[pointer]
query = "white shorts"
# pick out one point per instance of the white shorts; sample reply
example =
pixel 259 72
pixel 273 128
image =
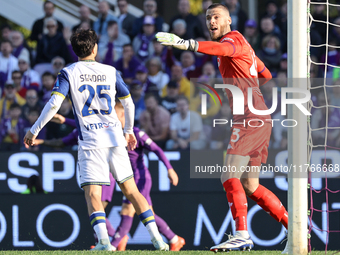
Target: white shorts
pixel 95 166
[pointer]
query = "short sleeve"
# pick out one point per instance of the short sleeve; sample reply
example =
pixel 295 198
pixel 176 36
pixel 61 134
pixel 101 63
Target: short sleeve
pixel 122 90
pixel 260 65
pixel 61 85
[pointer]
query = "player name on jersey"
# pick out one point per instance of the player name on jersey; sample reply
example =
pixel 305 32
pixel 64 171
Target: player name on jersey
pixel 93 78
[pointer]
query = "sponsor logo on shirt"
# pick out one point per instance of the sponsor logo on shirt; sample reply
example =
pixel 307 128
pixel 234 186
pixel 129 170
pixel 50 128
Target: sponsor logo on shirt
pixel 94 126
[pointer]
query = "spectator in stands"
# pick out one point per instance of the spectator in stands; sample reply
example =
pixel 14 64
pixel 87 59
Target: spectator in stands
pixel 67 33
pixel 147 85
pixel 113 50
pixel 142 43
pixel 273 11
pixel 194 27
pixel 8 63
pixel 202 18
pixel 85 16
pixel 150 9
pixel 48 80
pixel 209 70
pixel 186 128
pixel 10 129
pixel 52 44
pixel 179 27
pixel 32 101
pixel 319 121
pixel 188 65
pixel 270 52
pixel 29 76
pixel 127 64
pixel 220 134
pixel 58 63
pixel 268 27
pixel 40 26
pixel 155 120
pixel 169 101
pixel 10 96
pixel 16 78
pixel 125 19
pixel 136 90
pixel 251 34
pixel 32 115
pixel 182 82
pixel 100 25
pixel 238 16
pixel 160 51
pixel 6 30
pixel 54 130
pixel 18 43
pixel 156 75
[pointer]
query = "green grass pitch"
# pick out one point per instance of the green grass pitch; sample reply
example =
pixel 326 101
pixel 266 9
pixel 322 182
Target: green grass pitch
pixel 144 252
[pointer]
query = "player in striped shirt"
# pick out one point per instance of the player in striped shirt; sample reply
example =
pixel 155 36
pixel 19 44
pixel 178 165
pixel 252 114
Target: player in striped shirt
pixel 92 88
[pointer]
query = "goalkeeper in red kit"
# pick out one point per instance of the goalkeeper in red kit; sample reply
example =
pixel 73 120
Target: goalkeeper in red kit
pixel 248 145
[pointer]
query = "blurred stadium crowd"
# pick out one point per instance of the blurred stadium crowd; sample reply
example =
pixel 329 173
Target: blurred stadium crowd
pixel 159 77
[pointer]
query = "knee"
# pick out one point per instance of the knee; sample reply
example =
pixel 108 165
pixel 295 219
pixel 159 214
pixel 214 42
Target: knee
pixel 248 186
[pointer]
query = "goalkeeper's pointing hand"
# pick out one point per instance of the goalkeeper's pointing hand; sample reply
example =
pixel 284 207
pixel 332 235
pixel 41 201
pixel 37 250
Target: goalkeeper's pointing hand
pixel 173 40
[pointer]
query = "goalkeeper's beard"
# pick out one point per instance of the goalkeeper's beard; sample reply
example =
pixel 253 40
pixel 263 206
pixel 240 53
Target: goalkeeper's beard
pixel 218 38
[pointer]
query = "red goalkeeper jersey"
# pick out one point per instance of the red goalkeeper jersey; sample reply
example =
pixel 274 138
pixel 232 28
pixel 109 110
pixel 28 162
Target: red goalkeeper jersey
pixel 239 66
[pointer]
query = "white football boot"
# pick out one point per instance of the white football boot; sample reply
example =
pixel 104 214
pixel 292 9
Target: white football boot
pixel 160 245
pixel 234 243
pixel 104 245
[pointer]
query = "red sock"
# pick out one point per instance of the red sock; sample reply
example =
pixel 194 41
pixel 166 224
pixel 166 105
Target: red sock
pixel 271 204
pixel 237 200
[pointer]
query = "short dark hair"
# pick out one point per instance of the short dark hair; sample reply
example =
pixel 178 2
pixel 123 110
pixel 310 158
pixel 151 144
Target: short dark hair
pixel 47 73
pixel 111 23
pixel 83 42
pixel 182 97
pixel 149 95
pixel 16 71
pixel 216 5
pixel 6 41
pixel 34 109
pixel 14 106
pixel 127 45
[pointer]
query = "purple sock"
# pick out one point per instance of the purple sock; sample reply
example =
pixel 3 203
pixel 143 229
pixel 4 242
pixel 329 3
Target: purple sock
pixel 110 229
pixel 122 230
pixel 164 228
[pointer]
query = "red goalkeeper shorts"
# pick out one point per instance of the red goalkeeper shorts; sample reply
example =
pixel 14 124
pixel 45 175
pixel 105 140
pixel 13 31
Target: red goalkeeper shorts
pixel 251 141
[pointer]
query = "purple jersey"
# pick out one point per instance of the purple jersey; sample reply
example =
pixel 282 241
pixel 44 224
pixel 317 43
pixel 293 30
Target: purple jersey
pixel 136 156
pixel 71 139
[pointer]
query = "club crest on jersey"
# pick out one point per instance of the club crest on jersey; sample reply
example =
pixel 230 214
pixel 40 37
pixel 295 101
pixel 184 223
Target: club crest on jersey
pixel 94 126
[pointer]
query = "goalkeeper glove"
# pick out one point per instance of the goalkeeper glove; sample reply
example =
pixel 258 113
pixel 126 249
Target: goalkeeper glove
pixel 173 40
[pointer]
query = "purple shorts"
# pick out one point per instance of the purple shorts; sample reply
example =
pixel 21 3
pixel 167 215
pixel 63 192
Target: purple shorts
pixel 107 191
pixel 144 187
